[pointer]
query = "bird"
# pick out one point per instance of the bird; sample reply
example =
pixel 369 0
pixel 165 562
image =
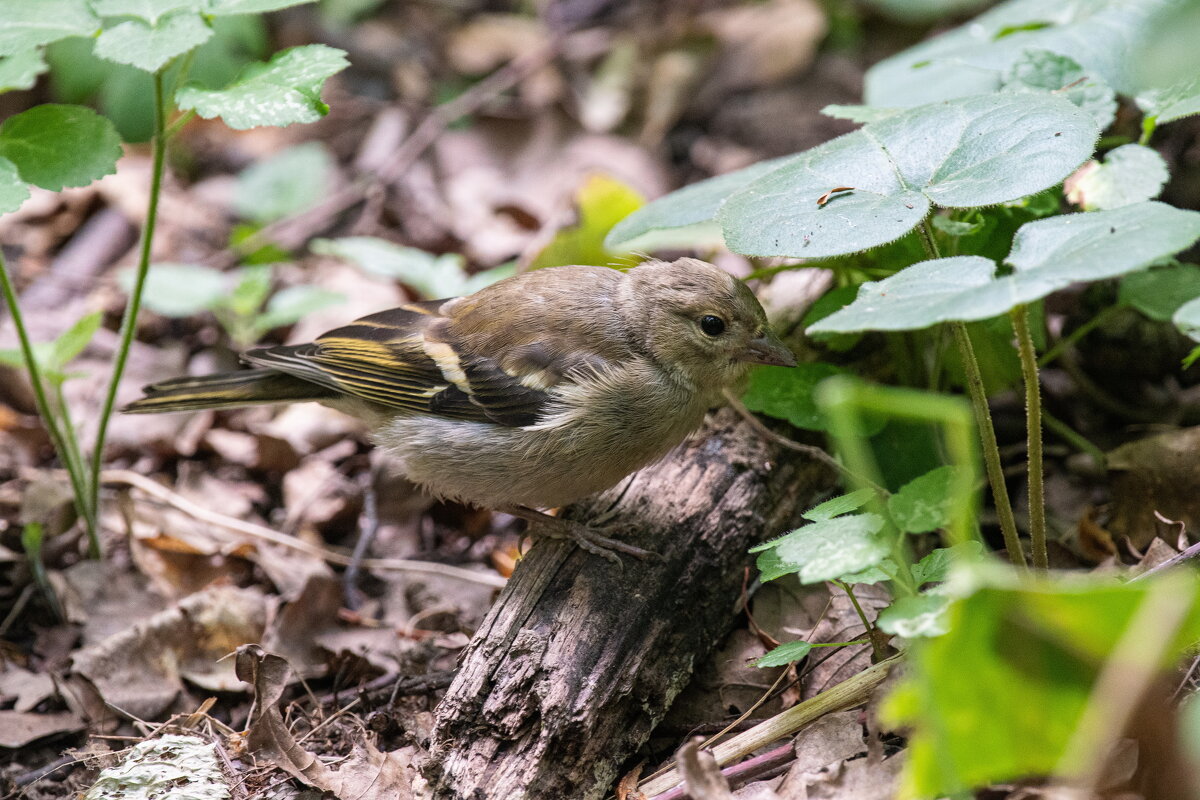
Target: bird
pixel 529 394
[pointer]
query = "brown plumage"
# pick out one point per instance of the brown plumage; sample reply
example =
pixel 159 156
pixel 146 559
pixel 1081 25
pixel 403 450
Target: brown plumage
pixel 533 392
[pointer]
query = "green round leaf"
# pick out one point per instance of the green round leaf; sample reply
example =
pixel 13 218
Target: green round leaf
pixel 1159 293
pixel 1044 71
pixel 57 145
pixel 1129 174
pixel 285 90
pixel 150 47
pixel 13 190
pixel 917 615
pixel 970 152
pixel 832 548
pixel 924 504
pixel 971 59
pixel 26 24
pixel 20 70
pixel 1047 255
pixel 787 393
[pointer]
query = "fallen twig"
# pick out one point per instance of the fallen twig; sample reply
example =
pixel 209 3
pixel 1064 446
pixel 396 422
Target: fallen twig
pixel 178 501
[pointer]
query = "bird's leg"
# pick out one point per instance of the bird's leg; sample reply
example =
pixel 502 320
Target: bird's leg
pixel 541 524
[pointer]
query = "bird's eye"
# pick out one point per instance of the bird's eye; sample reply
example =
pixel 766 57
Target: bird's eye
pixel 711 325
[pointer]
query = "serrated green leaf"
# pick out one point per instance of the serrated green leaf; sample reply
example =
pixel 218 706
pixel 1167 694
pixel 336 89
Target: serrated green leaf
pixel 54 146
pixel 1044 71
pixel 787 393
pixel 769 565
pixel 26 24
pixel 935 567
pixel 227 7
pixel 785 654
pixel 1129 174
pixel 289 182
pixel 1047 255
pixel 842 504
pixel 832 548
pixel 1159 293
pixel 151 47
pixel 691 205
pixel 149 11
pixel 914 616
pixel 20 70
pixel 969 152
pixel 179 290
pixel 924 504
pixel 294 303
pixel 973 58
pixel 283 91
pixel 13 191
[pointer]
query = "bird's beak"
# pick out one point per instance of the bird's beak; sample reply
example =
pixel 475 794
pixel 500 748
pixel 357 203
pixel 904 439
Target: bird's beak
pixel 768 349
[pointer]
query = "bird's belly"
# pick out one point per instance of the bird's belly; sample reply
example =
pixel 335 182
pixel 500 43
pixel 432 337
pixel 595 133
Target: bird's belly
pixel 494 466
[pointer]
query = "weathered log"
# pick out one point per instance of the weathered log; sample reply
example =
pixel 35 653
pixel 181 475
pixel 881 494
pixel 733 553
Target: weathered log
pixel 578 661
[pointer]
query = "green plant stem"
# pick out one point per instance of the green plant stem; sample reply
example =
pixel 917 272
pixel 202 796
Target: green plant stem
pixel 1033 425
pixel 72 455
pixel 76 475
pixel 129 320
pixel 878 640
pixel 991 450
pixel 983 420
pixel 1074 438
pixel 1074 336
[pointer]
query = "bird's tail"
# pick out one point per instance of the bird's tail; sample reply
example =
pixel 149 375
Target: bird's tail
pixel 226 390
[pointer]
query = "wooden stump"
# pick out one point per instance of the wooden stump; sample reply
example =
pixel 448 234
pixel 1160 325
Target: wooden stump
pixel 578 661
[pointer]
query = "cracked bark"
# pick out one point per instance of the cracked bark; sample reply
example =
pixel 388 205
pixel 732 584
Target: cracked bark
pixel 577 661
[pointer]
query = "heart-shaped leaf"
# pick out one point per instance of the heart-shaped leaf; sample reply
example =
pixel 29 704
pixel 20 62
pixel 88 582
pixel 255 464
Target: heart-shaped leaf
pixel 975 151
pixel 1047 255
pixel 973 58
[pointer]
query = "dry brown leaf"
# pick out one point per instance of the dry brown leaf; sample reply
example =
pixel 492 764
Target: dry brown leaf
pixel 1156 474
pixel 25 687
pixel 702 778
pixel 141 669
pixel 19 728
pixel 366 774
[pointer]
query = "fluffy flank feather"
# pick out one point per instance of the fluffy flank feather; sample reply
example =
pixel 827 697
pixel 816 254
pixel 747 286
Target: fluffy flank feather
pixel 226 390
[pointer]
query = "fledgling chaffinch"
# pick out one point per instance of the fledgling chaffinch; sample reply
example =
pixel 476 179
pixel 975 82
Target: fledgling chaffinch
pixel 531 393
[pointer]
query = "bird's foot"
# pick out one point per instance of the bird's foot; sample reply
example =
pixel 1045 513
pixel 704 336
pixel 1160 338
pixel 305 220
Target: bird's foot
pixel 586 536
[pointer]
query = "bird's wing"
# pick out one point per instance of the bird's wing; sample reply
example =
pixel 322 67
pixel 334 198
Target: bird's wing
pixel 408 358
